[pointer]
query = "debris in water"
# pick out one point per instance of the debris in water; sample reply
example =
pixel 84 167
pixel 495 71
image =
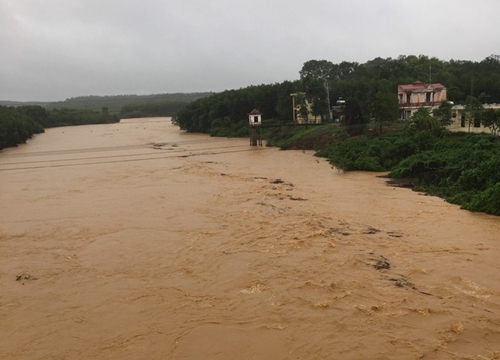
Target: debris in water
pixel 25 276
pixel 382 264
pixel 371 230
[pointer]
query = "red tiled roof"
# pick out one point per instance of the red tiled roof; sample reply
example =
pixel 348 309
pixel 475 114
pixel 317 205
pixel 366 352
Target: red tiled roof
pixel 418 85
pixel 254 112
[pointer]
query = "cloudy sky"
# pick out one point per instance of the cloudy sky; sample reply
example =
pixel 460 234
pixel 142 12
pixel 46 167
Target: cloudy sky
pixel 54 49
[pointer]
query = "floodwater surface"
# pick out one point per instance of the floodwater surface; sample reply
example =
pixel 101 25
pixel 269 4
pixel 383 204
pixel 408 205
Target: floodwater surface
pixel 138 241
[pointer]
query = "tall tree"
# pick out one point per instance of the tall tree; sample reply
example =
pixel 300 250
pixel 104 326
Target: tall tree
pixel 317 97
pixel 385 109
pixel 284 106
pixel 423 120
pixel 355 116
pixel 491 119
pixel 316 69
pixel 473 111
pixel 345 70
pixel 443 113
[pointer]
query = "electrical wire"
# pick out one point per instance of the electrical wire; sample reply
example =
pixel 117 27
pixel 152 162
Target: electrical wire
pixel 201 152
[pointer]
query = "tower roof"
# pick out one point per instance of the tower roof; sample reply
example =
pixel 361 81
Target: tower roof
pixel 255 112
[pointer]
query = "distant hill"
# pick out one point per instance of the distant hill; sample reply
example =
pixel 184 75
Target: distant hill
pixel 21 103
pixel 113 103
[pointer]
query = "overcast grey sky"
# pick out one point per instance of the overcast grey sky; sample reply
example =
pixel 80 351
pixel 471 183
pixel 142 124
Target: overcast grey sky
pixel 55 49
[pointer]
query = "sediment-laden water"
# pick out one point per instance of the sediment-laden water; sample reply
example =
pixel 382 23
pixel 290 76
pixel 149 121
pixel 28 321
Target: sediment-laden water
pixel 138 241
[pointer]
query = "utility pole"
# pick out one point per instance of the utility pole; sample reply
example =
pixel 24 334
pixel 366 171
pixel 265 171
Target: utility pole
pixel 328 99
pixel 430 73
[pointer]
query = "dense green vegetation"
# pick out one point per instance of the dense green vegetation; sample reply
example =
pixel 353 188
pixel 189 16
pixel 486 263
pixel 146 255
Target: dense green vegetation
pixel 225 113
pixel 142 105
pixel 15 127
pixel 463 168
pixel 311 138
pixel 66 117
pixel 69 117
pixel 150 110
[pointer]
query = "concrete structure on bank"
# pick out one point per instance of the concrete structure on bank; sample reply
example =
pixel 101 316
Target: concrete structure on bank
pixel 460 121
pixel 414 96
pixel 299 102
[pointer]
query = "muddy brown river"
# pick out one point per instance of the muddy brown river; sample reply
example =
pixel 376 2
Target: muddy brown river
pixel 138 241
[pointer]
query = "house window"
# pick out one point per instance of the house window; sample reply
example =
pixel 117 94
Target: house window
pixel 428 97
pixel 400 98
pixel 462 120
pixel 408 98
pixel 255 119
pixel 477 121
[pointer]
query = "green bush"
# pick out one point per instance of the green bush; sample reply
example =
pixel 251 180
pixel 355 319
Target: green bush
pixel 463 168
pixel 487 201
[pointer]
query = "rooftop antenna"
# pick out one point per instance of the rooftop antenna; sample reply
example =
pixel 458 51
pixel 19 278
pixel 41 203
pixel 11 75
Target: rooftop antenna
pixel 430 73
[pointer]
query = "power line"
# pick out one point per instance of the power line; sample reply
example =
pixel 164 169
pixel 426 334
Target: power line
pixel 109 156
pixel 108 148
pixel 166 156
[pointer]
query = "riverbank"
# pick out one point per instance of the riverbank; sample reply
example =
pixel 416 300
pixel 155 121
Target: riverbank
pixel 459 167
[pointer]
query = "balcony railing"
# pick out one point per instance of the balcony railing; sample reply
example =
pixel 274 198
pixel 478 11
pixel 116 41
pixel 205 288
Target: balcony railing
pixel 419 104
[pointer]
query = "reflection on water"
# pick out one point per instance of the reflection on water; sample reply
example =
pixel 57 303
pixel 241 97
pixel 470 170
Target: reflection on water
pixel 137 241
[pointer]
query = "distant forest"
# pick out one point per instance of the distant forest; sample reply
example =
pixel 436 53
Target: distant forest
pixel 115 104
pixel 369 90
pixel 20 120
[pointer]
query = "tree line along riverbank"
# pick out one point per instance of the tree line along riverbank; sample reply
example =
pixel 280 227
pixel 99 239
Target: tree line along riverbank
pixel 18 124
pixel 20 120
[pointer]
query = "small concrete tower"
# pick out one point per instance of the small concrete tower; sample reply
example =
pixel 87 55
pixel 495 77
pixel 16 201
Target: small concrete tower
pixel 254 123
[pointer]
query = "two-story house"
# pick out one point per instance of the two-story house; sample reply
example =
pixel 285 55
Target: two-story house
pixel 413 96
